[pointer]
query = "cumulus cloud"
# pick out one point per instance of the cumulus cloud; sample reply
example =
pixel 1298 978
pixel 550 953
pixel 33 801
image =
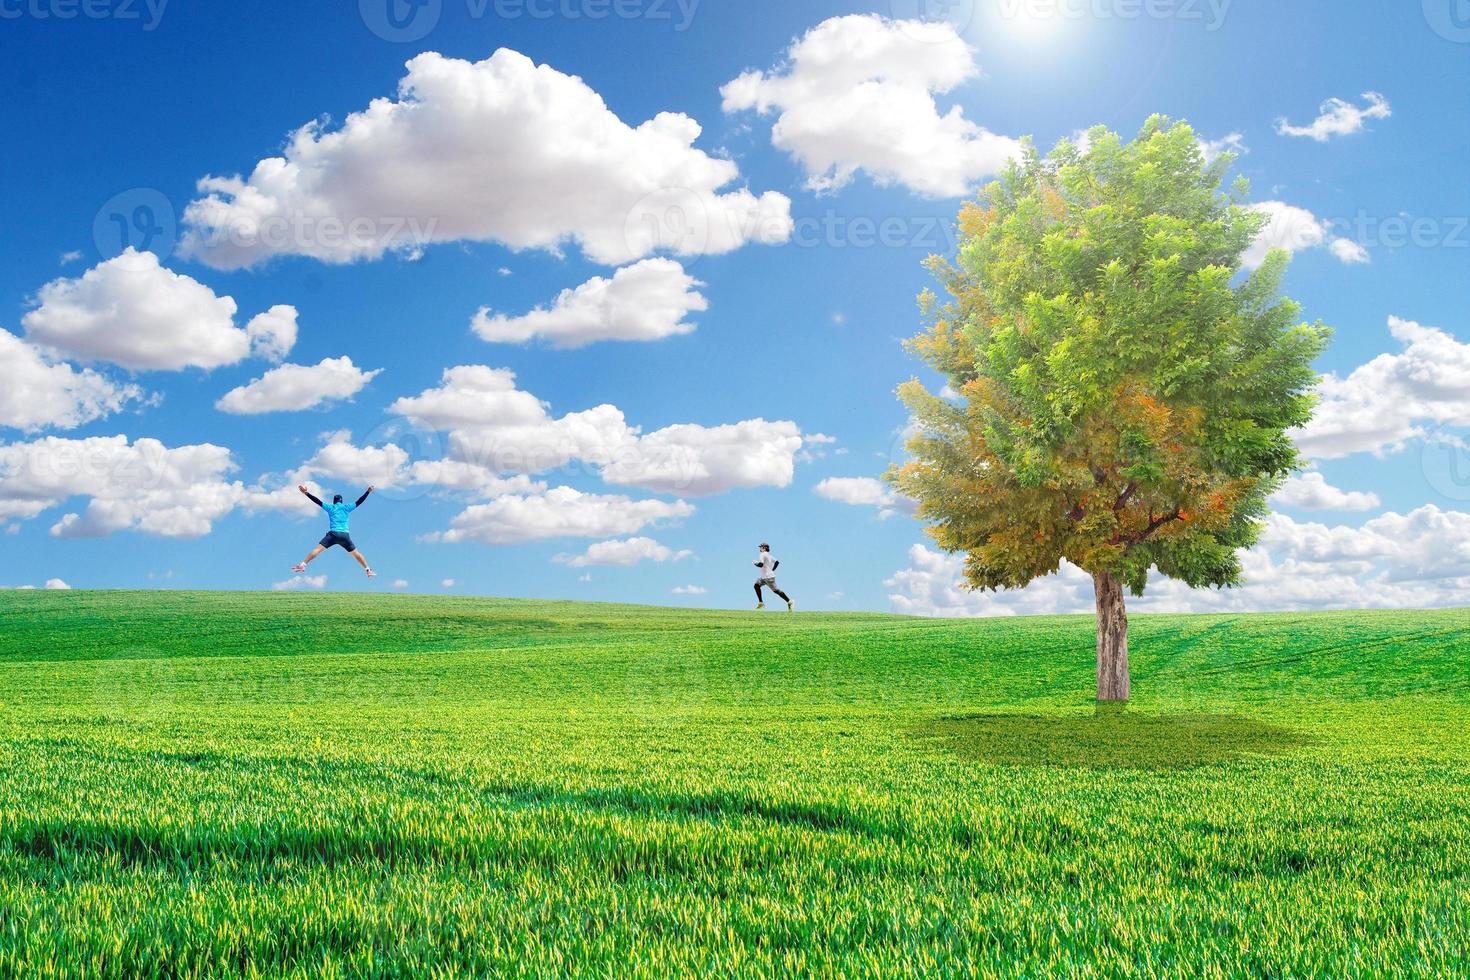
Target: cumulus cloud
pixel 1229 143
pixel 142 486
pixel 1311 491
pixel 37 392
pixel 133 312
pixel 297 387
pixel 690 590
pixel 498 150
pixel 857 93
pixel 698 461
pixel 646 301
pixel 1415 560
pixel 1339 117
pixel 495 428
pixel 298 582
pixel 272 334
pixel 1394 398
pixel 54 584
pixel 628 551
pixel 338 460
pixel 865 491
pixel 1348 252
pixel 559 513
pixel 1296 229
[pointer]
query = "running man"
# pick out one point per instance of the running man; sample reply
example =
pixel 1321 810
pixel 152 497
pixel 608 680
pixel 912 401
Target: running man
pixel 337 513
pixel 768 564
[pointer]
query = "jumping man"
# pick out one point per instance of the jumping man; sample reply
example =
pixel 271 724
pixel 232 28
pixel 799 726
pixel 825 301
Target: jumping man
pixel 768 564
pixel 337 513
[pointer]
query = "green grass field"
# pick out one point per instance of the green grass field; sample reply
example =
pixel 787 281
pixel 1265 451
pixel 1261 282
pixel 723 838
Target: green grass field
pixel 244 784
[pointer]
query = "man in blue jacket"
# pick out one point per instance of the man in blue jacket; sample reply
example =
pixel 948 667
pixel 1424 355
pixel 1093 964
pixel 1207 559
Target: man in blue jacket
pixel 337 513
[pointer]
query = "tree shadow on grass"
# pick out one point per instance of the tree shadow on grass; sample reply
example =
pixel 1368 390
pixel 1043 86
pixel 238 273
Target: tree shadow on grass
pixel 1110 739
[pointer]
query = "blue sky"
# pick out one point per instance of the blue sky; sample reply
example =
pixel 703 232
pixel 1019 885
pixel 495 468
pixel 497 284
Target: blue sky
pixel 121 109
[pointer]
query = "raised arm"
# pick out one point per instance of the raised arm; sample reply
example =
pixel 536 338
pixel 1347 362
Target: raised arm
pixel 309 496
pixel 364 496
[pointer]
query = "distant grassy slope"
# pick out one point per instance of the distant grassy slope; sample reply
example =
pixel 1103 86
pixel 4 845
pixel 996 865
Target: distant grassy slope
pixel 228 783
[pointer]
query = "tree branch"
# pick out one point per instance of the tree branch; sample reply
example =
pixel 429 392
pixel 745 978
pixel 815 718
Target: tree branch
pixel 1124 497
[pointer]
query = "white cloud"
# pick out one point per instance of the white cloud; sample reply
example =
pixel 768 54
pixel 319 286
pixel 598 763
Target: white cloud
pixel 131 311
pixel 495 428
pixel 473 396
pixel 448 583
pixel 498 150
pixel 1229 143
pixel 400 583
pixel 272 333
pixel 857 93
pixel 625 552
pixel 646 301
pixel 865 491
pixel 1415 560
pixel 1348 252
pixel 1311 491
pixel 1339 117
pixel 37 392
pixel 699 461
pixel 297 387
pixel 1296 229
pixel 559 513
pixel 144 486
pixel 388 466
pixel 1390 400
pixel 299 582
pixel 690 590
pixel 54 584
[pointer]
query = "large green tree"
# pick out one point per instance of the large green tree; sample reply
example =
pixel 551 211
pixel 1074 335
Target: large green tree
pixel 1124 393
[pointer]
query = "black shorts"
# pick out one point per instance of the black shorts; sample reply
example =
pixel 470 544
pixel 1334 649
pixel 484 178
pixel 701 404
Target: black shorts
pixel 339 537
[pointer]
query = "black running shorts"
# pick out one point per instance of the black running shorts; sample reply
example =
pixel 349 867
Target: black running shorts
pixel 339 537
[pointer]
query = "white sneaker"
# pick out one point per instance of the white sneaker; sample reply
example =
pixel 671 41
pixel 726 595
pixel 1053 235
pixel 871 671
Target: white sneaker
pixel 299 568
pixel 371 573
pixel 790 606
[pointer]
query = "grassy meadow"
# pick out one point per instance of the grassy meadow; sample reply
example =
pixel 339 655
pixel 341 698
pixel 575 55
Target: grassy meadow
pixel 200 784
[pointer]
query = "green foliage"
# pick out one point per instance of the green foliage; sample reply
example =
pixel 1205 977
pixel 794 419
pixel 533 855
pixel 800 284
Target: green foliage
pixel 233 785
pixel 1126 392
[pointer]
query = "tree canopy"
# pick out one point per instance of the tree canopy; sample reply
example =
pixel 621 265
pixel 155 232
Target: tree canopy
pixel 1123 391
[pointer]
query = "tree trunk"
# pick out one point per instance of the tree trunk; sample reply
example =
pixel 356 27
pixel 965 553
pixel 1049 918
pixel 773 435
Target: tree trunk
pixel 1112 639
